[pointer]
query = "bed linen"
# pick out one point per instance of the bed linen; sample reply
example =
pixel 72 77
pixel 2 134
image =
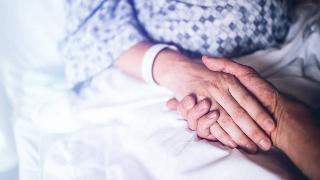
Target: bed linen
pixel 116 127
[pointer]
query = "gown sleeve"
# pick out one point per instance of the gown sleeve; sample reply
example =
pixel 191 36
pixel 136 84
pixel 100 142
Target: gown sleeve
pixel 97 33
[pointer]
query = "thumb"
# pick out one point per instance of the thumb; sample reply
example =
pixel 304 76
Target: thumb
pixel 226 65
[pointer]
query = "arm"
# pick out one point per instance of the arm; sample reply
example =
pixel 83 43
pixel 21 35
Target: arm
pixel 298 135
pixel 297 132
pixel 108 33
pixel 97 33
pixel 166 61
pixel 179 74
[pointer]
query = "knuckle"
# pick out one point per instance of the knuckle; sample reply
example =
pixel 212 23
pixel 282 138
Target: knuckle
pixel 262 117
pixel 205 104
pixel 249 70
pixel 196 112
pixel 188 102
pixel 188 98
pixel 213 116
pixel 229 78
pixel 202 107
pixel 193 113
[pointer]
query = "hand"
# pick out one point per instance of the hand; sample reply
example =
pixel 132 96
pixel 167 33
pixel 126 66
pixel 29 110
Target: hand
pixel 279 106
pixel 240 113
pixel 264 91
pixel 297 130
pixel 191 111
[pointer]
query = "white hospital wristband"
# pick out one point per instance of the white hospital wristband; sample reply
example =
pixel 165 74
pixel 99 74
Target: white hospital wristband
pixel 148 60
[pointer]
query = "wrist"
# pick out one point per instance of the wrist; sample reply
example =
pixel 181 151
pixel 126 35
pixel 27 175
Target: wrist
pixel 288 114
pixel 297 135
pixel 171 68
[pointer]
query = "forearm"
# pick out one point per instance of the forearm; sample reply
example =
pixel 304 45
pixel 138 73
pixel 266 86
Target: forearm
pixel 167 64
pixel 171 67
pixel 130 61
pixel 299 138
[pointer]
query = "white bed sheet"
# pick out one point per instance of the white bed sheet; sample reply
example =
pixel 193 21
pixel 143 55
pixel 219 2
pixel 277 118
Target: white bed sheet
pixel 110 131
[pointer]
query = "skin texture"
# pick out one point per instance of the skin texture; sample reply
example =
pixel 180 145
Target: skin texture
pixel 246 124
pixel 297 130
pixel 241 122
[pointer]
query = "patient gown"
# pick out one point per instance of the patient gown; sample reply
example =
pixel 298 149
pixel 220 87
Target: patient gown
pixel 99 31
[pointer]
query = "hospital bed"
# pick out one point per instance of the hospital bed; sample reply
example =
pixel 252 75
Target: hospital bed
pixel 109 131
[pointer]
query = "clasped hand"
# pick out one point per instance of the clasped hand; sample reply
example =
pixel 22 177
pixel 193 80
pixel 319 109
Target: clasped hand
pixel 218 106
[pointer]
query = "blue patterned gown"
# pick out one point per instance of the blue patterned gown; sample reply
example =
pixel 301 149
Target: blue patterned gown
pixel 99 31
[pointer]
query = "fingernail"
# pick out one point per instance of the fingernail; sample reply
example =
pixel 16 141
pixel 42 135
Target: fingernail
pixel 251 148
pixel 265 144
pixel 232 144
pixel 269 125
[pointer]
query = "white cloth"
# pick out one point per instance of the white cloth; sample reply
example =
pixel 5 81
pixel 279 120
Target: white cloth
pixel 148 61
pixel 294 68
pixel 110 131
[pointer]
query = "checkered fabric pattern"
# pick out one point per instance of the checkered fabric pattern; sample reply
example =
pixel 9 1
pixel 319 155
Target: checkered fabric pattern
pixel 99 31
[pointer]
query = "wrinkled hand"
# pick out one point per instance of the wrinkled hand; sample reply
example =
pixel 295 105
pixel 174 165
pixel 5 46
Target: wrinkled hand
pixel 242 120
pixel 297 130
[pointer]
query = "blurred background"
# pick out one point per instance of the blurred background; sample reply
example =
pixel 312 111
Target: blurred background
pixel 24 25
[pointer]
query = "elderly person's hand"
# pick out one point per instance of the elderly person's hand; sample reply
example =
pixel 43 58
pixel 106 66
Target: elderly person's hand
pixel 297 130
pixel 200 119
pixel 245 124
pixel 242 119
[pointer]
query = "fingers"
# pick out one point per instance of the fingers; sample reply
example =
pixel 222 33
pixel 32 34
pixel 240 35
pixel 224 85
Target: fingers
pixel 188 102
pixel 221 135
pixel 263 90
pixel 196 112
pixel 227 66
pixel 204 123
pixel 185 105
pixel 235 135
pixel 200 120
pixel 253 107
pixel 172 104
pixel 211 137
pixel 228 125
pixel 235 132
pixel 244 121
pixel 245 99
pixel 189 110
